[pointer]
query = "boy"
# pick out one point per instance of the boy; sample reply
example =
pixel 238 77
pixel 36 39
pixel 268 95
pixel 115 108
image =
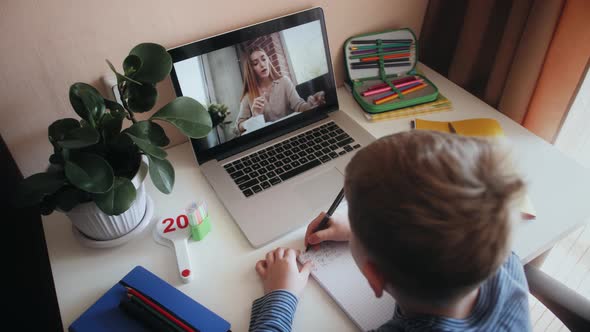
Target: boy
pixel 429 221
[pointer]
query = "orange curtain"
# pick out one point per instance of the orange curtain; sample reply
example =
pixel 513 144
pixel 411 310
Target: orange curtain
pixel 562 71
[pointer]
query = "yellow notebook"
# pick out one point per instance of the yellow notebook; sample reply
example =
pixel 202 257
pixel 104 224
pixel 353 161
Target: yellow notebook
pixel 475 127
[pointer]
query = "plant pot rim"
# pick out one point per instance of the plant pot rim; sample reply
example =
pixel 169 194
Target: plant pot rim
pixel 141 173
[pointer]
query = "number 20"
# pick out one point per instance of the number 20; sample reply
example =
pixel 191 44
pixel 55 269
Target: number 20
pixel 181 222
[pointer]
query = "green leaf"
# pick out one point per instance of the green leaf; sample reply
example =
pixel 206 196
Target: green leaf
pixel 111 126
pixel 131 64
pixel 117 109
pixel 140 98
pixel 58 129
pixel 79 138
pixel 120 77
pixel 123 145
pixel 146 146
pixel 32 189
pixel 56 158
pixel 188 115
pixel 87 102
pixel 118 199
pixel 162 174
pixel 155 63
pixel 151 131
pixel 89 172
pixel 68 197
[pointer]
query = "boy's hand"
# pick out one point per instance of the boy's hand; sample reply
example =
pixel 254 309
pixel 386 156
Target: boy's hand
pixel 280 271
pixel 338 229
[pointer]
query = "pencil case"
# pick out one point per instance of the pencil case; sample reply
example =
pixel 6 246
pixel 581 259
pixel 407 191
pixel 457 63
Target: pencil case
pixel 381 71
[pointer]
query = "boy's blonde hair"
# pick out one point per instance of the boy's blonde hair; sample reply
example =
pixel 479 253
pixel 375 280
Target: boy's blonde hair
pixel 433 210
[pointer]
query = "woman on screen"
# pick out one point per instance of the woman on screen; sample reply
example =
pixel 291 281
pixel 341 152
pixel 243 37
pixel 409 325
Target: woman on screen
pixel 268 93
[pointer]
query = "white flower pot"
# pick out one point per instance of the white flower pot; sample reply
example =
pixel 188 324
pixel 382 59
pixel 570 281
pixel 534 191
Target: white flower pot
pixel 97 225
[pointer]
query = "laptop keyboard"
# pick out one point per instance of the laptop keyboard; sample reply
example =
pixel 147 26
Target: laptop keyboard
pixel 277 163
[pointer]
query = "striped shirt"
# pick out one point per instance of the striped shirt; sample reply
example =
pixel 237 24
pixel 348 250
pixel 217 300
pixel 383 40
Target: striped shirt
pixel 502 305
pixel 273 312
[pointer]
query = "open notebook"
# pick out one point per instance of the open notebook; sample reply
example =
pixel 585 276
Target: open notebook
pixel 352 292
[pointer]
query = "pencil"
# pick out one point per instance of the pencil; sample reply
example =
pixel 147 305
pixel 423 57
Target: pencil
pixel 391 56
pixel 374 41
pixel 142 315
pixel 394 82
pixel 369 47
pixel 374 50
pixel 159 309
pixel 395 95
pixel 388 88
pixel 384 61
pixel 386 55
pixel 155 313
pixel 324 222
pixel 387 65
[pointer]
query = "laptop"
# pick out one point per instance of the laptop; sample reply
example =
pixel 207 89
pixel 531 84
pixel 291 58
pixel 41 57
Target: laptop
pixel 279 147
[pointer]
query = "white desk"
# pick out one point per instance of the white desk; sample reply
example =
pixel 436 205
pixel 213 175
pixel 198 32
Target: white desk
pixel 227 282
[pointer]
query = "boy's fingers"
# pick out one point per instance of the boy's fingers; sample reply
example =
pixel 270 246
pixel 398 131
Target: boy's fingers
pixel 306 269
pixel 261 268
pixel 321 236
pixel 279 253
pixel 291 253
pixel 270 257
pixel 312 226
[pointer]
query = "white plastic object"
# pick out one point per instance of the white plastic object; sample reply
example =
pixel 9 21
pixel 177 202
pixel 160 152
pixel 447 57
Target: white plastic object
pixel 168 232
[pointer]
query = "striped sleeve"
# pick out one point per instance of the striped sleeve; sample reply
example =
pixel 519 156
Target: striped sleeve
pixel 273 312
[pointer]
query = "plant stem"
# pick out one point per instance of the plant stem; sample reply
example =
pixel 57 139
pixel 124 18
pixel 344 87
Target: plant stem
pixel 131 116
pixel 122 86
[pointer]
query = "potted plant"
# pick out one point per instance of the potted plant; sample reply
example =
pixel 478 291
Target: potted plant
pixel 97 168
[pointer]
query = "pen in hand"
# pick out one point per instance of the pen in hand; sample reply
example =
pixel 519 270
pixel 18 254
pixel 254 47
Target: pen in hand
pixel 322 225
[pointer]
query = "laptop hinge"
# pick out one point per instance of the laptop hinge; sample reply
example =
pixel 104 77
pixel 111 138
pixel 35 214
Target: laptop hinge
pixel 269 137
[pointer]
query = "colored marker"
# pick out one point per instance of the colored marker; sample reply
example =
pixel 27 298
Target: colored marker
pixel 388 88
pixel 363 56
pixel 387 65
pixel 374 50
pixel 384 61
pixel 368 47
pixel 374 41
pixel 394 82
pixel 392 56
pixel 395 95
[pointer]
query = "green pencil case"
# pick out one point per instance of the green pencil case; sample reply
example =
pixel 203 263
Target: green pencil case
pixel 381 71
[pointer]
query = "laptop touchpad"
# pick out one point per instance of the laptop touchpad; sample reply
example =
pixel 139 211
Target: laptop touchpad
pixel 320 190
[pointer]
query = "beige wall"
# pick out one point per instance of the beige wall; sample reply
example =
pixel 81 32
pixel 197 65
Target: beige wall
pixel 48 45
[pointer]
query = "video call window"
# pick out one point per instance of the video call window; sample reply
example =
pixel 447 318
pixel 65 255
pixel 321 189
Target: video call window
pixel 261 81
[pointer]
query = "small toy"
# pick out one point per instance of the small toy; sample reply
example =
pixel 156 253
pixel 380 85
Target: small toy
pixel 199 220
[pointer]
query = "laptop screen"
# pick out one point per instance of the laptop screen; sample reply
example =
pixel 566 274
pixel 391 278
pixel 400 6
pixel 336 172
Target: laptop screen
pixel 258 82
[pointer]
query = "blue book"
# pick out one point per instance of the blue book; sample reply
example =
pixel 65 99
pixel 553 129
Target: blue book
pixel 105 314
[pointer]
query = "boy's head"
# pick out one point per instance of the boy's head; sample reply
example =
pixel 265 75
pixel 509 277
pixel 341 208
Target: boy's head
pixel 432 211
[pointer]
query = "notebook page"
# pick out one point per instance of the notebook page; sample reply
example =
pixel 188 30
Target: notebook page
pixel 335 270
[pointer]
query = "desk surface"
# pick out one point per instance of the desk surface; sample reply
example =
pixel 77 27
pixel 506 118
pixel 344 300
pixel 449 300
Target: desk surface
pixel 226 281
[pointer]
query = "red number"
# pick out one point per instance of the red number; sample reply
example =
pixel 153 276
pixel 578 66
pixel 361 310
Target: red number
pixel 178 221
pixel 170 227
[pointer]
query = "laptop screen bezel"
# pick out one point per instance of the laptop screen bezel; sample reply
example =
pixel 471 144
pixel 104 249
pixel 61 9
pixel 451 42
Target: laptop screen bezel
pixel 239 144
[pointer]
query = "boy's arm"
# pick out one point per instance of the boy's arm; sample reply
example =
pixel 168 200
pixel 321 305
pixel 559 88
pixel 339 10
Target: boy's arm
pixel 273 312
pixel 283 281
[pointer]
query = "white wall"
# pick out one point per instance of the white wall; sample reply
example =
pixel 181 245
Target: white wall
pixel 48 45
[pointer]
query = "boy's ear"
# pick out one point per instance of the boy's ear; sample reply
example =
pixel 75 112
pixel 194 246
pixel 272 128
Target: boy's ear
pixel 375 278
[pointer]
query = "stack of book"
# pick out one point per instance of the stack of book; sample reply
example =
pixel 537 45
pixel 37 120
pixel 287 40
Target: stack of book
pixel 440 104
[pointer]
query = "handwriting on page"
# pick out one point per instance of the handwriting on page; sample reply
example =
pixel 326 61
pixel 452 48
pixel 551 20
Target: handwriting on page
pixel 335 270
pixel 327 254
